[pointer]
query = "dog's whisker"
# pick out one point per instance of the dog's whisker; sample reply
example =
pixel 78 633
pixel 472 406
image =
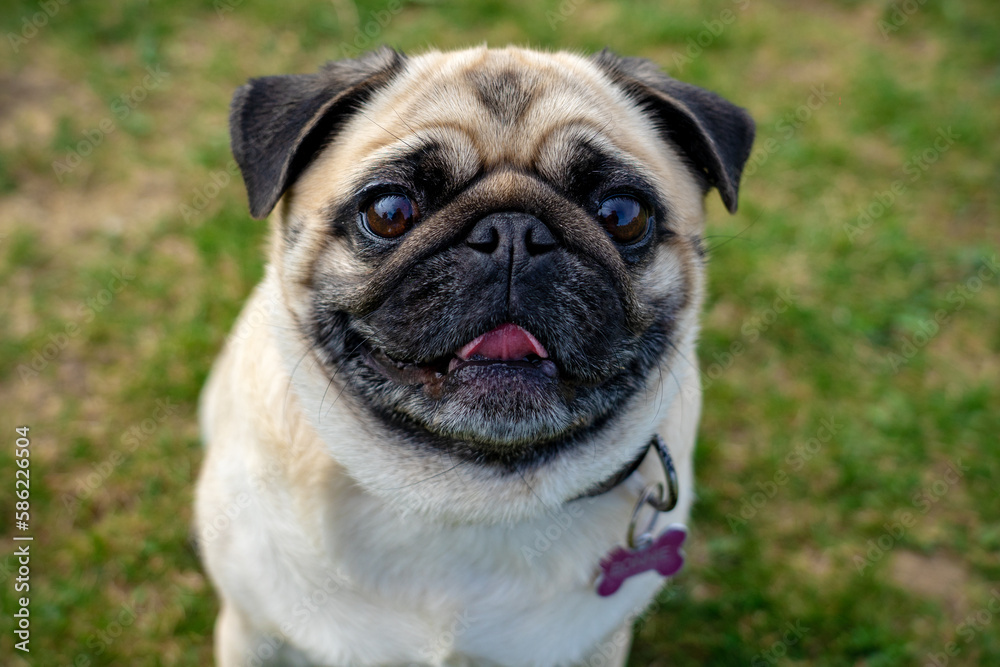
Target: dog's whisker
pixel 731 238
pixel 403 121
pixel 345 359
pixel 291 378
pixel 420 481
pixel 532 490
pixel 392 134
pixel 342 390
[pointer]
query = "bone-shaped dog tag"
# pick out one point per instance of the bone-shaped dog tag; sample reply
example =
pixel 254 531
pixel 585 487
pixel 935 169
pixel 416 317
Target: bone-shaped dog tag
pixel 662 554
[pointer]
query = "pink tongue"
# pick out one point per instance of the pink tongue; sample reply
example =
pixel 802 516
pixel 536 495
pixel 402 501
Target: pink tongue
pixel 506 342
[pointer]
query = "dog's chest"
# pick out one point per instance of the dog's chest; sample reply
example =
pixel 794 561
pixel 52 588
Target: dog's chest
pixel 465 595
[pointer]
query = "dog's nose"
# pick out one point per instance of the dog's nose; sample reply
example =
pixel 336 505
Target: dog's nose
pixel 511 234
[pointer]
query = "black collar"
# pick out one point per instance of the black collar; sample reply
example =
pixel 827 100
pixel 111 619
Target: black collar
pixel 625 471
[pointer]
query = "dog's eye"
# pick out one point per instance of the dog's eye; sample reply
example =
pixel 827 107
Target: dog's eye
pixel 391 215
pixel 625 218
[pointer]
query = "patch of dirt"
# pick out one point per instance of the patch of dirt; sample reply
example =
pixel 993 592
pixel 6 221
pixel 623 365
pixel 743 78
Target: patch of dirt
pixel 815 564
pixel 65 215
pixel 33 103
pixel 938 576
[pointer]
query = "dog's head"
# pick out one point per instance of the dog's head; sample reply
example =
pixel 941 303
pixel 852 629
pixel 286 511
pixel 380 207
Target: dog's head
pixel 493 255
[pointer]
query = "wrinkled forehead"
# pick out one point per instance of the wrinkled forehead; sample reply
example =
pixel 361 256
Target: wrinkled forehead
pixel 501 108
pixel 505 102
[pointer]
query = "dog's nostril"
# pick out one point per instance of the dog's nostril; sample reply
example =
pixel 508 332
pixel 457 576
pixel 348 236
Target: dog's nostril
pixel 484 240
pixel 539 239
pixel 513 234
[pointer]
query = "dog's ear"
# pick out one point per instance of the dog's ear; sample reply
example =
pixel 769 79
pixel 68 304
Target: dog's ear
pixel 277 124
pixel 714 134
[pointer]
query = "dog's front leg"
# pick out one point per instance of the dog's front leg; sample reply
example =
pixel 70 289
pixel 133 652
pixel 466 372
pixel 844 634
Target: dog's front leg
pixel 237 644
pixel 233 638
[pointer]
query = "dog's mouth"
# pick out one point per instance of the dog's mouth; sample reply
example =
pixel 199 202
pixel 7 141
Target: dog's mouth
pixel 507 348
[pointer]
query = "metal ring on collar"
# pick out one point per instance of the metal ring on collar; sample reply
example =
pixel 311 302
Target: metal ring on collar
pixel 660 499
pixel 670 502
pixel 645 536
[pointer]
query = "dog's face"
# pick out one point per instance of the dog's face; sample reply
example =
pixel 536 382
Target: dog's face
pixel 492 254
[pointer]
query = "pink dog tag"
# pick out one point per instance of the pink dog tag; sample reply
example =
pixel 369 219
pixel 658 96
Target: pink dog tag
pixel 662 554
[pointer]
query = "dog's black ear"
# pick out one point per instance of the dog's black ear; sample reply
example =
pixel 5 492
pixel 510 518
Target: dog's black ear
pixel 277 124
pixel 714 134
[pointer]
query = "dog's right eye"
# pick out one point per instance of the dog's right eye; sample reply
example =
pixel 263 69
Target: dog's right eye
pixel 391 215
pixel 625 218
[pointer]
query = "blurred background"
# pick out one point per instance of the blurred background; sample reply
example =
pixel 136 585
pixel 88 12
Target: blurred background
pixel 848 461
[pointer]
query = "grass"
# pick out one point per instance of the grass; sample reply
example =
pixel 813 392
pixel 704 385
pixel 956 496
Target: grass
pixel 844 112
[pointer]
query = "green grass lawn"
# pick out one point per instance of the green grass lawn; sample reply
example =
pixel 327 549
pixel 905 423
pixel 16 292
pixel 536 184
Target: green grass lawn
pixel 848 462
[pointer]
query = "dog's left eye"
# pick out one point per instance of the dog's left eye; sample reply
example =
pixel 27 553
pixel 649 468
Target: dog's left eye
pixel 624 217
pixel 391 215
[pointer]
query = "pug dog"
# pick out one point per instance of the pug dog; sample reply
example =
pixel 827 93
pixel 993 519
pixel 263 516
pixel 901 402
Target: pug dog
pixel 428 436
